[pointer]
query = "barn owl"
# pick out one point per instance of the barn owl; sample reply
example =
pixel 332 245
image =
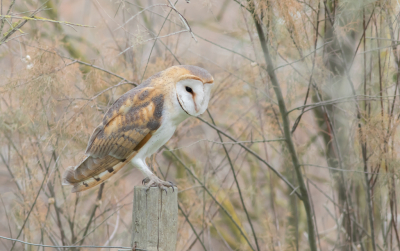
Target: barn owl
pixel 139 123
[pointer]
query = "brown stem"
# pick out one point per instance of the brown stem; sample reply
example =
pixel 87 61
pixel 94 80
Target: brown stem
pixel 286 129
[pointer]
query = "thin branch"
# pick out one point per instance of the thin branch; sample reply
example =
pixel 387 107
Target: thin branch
pixel 183 19
pixel 212 196
pixel 155 41
pixel 33 205
pixel 42 19
pixel 312 71
pixel 96 205
pixel 8 12
pixel 19 26
pixel 50 246
pixel 286 127
pixel 229 143
pixel 237 183
pixel 191 226
pixel 255 155
pixel 83 63
pixel 171 34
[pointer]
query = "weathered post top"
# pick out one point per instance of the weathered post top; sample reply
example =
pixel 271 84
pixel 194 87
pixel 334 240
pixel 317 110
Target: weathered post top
pixel 155 219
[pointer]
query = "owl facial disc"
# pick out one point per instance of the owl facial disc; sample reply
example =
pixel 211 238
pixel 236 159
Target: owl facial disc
pixel 193 96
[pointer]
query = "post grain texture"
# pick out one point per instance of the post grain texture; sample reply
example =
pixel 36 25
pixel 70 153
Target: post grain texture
pixel 155 219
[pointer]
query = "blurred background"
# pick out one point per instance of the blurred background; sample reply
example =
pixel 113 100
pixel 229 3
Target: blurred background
pixel 241 185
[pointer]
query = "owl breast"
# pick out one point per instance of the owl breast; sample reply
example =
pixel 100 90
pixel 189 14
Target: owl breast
pixel 172 115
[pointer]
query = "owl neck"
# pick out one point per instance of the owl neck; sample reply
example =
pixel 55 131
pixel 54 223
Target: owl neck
pixel 179 116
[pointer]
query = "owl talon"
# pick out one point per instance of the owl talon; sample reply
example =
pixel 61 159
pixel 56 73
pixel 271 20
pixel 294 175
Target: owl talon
pixel 172 186
pixel 145 180
pixel 154 181
pixel 147 189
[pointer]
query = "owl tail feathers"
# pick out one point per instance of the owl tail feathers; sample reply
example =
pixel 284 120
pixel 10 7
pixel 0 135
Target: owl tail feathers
pixel 90 181
pixel 92 172
pixel 67 176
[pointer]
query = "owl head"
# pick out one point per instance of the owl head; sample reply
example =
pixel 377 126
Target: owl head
pixel 193 87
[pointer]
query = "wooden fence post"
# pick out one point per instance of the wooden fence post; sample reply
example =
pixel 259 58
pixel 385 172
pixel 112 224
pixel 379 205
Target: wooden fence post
pixel 155 219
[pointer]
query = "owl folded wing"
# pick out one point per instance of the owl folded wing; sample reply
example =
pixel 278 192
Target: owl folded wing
pixel 126 127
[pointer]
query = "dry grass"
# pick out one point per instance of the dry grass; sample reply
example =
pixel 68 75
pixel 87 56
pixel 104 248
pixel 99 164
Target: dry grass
pixel 57 81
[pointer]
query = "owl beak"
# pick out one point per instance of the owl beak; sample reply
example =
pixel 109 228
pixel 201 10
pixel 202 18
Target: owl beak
pixel 195 104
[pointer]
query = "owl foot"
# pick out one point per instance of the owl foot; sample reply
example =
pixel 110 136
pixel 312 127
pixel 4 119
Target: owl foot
pixel 154 181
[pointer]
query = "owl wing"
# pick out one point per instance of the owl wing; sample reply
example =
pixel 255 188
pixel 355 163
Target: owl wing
pixel 126 127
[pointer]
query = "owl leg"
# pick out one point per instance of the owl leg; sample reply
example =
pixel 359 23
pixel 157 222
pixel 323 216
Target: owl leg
pixel 154 181
pixel 147 180
pixel 151 179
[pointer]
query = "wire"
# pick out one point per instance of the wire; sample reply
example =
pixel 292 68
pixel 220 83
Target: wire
pixel 50 246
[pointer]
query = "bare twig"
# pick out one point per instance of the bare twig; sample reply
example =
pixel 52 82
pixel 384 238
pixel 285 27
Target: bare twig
pixel 212 196
pixel 286 125
pixel 96 205
pixel 42 19
pixel 33 205
pixel 237 183
pixel 50 246
pixel 184 21
pixel 18 26
pixel 255 155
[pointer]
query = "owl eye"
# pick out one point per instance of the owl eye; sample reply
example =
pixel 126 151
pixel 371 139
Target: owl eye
pixel 188 89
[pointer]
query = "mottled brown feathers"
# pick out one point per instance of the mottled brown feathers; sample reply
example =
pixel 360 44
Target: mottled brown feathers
pixel 127 126
pixel 94 179
pixel 134 115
